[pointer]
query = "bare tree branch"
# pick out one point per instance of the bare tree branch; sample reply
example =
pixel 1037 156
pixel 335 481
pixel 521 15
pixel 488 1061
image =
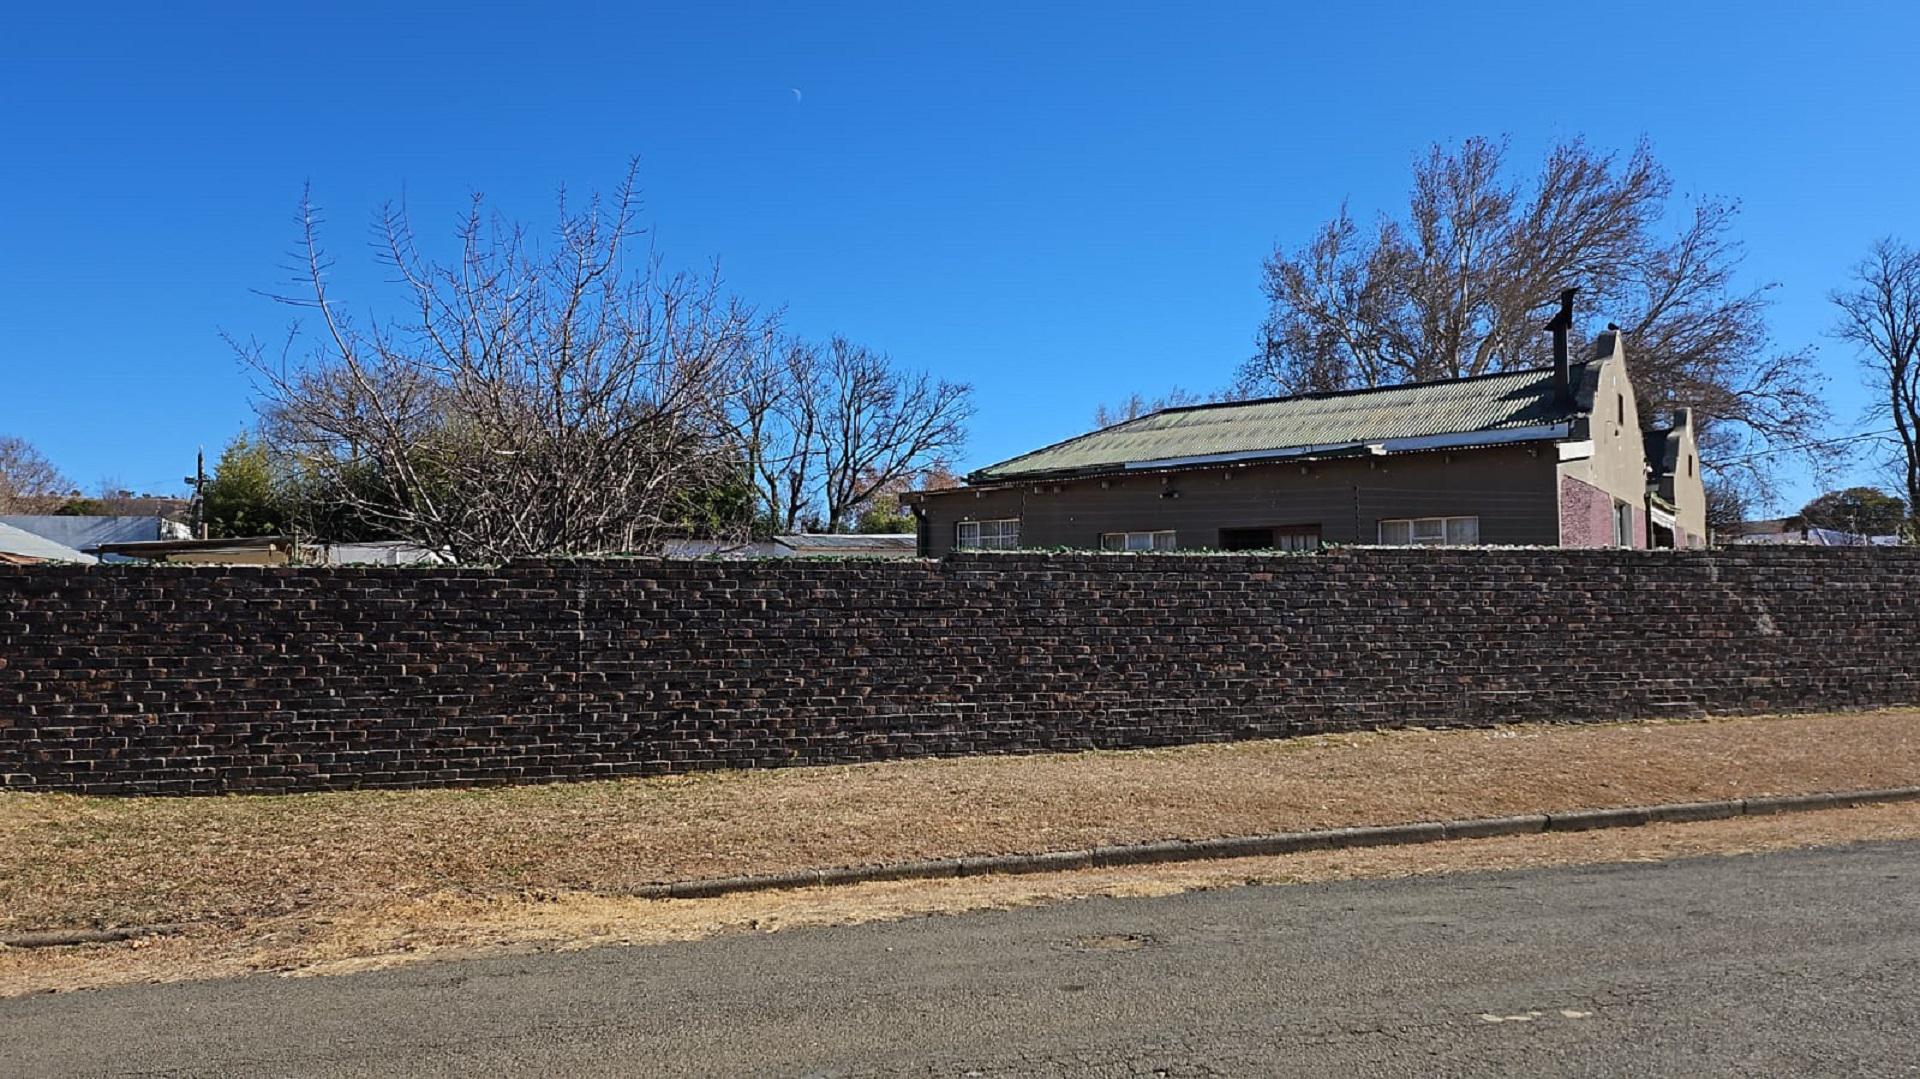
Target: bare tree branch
pixel 536 400
pixel 1459 286
pixel 29 483
pixel 1880 317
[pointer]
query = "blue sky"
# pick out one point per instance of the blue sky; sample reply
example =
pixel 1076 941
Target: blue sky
pixel 1057 203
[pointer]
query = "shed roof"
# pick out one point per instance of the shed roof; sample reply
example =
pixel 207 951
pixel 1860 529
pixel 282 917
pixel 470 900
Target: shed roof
pixel 1501 407
pixel 20 545
pixel 819 543
pixel 84 531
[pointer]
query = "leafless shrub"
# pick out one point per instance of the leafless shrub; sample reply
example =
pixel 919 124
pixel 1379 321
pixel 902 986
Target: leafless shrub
pixel 535 400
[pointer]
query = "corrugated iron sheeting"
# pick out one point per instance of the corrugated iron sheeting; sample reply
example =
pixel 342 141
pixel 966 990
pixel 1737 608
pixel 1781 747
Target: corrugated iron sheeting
pixel 1488 403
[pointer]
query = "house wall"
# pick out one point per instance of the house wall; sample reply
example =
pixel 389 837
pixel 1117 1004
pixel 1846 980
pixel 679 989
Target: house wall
pixel 1688 491
pixel 1510 488
pixel 125 680
pixel 1616 468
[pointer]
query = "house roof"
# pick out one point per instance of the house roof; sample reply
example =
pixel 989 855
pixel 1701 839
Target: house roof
pixel 1663 450
pixel 1503 407
pixel 901 544
pixel 17 545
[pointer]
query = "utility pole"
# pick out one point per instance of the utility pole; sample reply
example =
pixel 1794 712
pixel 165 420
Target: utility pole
pixel 197 508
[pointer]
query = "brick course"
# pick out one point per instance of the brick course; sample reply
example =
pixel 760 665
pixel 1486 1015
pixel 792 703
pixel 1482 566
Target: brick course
pixel 119 679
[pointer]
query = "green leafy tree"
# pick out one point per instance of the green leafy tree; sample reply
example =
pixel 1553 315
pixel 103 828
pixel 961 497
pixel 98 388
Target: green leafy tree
pixel 244 497
pixel 722 507
pixel 1867 511
pixel 884 516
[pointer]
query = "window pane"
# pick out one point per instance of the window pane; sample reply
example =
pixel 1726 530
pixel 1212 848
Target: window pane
pixel 1113 541
pixel 1396 533
pixel 1463 531
pixel 1429 530
pixel 1163 541
pixel 1139 541
pixel 987 535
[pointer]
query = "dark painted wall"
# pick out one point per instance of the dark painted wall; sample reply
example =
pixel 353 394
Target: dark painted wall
pixel 185 680
pixel 1512 489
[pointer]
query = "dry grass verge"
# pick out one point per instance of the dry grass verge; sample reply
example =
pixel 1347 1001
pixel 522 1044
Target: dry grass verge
pixel 369 934
pixel 72 862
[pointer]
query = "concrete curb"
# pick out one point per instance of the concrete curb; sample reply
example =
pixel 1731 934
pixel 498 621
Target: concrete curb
pixel 1173 850
pixel 1181 850
pixel 56 938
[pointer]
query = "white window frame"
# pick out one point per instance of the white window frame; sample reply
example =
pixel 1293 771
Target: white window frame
pixel 1296 537
pixel 1623 522
pixel 1458 531
pixel 1163 539
pixel 992 534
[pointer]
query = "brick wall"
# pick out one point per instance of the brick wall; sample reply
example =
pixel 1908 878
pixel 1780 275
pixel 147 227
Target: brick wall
pixel 131 679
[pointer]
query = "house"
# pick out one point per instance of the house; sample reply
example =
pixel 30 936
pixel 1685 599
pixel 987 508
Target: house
pixel 1676 494
pixel 19 547
pixel 1549 456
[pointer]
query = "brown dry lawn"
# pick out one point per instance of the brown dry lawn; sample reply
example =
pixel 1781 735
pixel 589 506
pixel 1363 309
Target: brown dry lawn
pixel 68 861
pixel 288 882
pixel 368 933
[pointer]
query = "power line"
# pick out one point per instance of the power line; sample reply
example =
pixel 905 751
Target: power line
pixel 1769 451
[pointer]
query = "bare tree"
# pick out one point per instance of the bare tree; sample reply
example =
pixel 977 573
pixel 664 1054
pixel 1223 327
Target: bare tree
pixel 777 424
pixel 1459 286
pixel 534 400
pixel 827 429
pixel 879 425
pixel 29 483
pixel 1726 507
pixel 1880 316
pixel 1136 406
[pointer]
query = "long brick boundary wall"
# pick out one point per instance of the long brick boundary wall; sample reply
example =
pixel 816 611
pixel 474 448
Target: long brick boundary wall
pixel 196 680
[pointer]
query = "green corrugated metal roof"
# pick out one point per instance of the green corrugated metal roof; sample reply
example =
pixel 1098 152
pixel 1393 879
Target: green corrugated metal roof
pixel 1508 401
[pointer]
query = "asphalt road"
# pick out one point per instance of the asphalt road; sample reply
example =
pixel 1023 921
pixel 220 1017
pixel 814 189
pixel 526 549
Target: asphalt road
pixel 1805 963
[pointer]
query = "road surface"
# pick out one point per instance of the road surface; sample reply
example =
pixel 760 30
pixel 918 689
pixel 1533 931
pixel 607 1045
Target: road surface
pixel 1798 963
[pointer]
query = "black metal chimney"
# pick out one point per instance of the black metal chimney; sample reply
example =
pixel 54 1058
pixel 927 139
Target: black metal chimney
pixel 1561 323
